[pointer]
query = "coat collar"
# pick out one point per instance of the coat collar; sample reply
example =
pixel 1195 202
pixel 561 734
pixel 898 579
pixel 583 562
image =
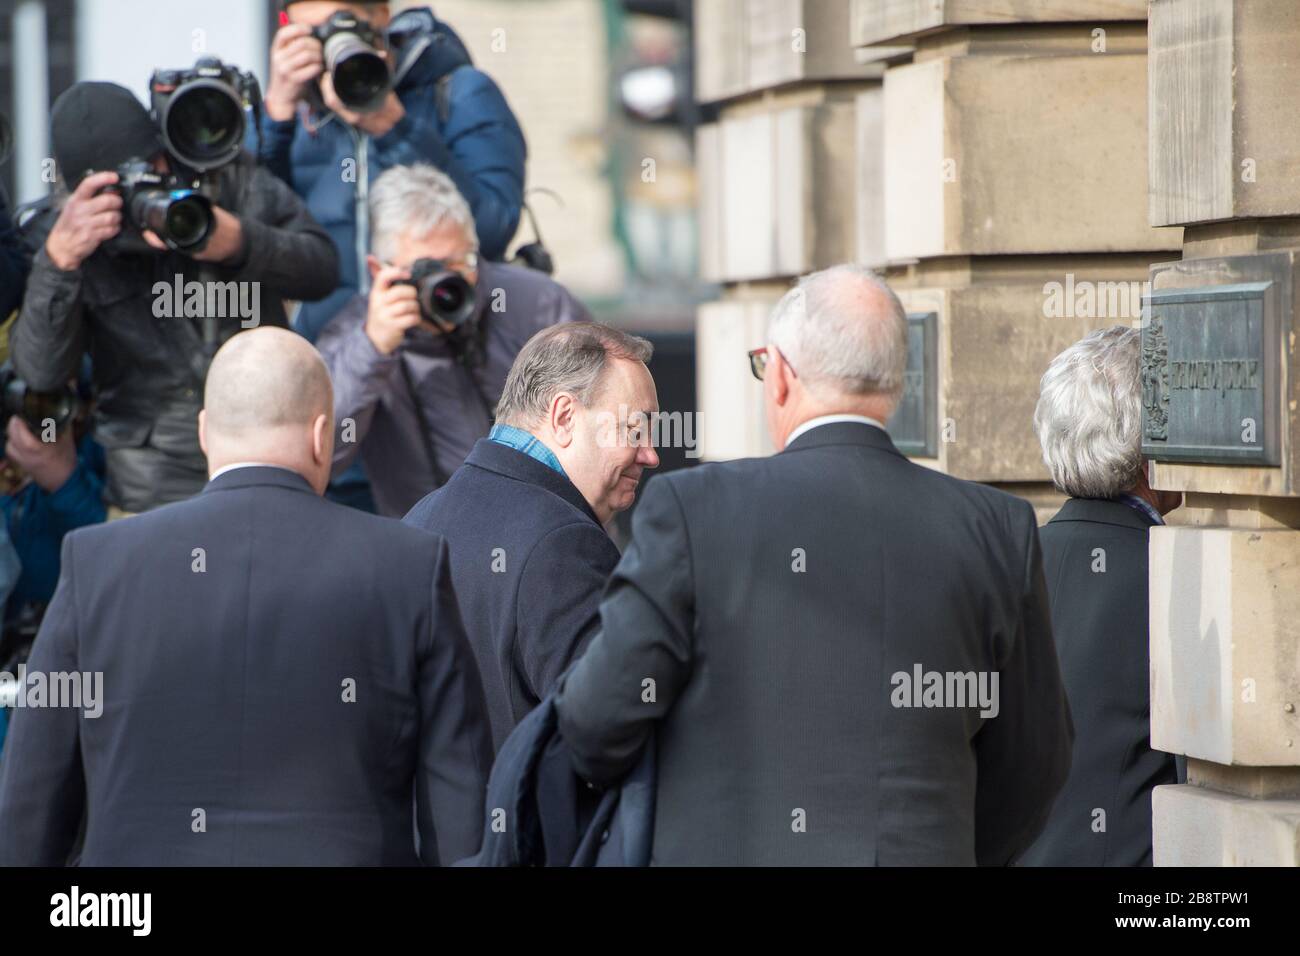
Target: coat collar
pixel 844 433
pixel 259 475
pixel 1101 511
pixel 503 460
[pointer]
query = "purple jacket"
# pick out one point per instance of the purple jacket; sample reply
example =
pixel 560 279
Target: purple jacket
pixel 371 393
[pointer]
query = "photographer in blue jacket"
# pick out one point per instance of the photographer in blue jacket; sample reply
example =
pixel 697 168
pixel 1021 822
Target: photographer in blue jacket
pixel 354 91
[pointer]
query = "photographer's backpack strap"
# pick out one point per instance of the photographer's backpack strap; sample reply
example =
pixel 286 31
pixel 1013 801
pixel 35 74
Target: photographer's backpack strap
pixel 442 94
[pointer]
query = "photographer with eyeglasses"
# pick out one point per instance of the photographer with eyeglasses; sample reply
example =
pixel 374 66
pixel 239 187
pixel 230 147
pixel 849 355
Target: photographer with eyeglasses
pixel 419 364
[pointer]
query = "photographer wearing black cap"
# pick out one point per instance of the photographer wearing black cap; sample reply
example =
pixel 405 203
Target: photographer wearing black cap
pixel 150 270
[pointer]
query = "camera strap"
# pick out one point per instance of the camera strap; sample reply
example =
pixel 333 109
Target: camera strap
pixel 426 436
pixel 442 97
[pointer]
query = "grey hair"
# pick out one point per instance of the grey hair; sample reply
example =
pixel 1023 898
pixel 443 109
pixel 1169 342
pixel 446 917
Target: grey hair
pixel 415 200
pixel 843 331
pixel 570 357
pixel 1089 415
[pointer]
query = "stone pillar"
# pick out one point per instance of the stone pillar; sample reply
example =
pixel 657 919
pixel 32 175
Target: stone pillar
pixel 1221 421
pixel 790 181
pixel 1015 156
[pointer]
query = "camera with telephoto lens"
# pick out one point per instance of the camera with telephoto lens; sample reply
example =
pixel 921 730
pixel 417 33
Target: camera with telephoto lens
pixel 200 111
pixel 171 207
pixel 33 407
pixel 360 74
pixel 444 294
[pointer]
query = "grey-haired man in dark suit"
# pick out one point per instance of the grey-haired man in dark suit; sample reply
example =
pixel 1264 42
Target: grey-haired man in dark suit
pixel 1095 554
pixel 845 657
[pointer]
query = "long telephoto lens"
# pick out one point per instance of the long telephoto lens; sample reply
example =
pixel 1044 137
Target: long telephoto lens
pixel 204 125
pixel 360 74
pixel 182 218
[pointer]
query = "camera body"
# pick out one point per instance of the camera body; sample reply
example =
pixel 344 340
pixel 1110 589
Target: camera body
pixel 171 207
pixel 443 293
pixel 34 408
pixel 351 49
pixel 200 111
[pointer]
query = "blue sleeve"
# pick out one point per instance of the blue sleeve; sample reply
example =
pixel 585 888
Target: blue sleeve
pixel 482 149
pixel 272 147
pixel 79 501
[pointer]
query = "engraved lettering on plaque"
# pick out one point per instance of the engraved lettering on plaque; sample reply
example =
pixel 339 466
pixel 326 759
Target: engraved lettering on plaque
pixel 1209 375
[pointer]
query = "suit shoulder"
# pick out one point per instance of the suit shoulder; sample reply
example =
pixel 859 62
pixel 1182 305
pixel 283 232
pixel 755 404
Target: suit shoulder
pixel 707 476
pixel 1062 536
pixel 997 500
pixel 418 516
pixel 387 531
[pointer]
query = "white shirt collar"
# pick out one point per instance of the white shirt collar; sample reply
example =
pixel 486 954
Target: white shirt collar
pixel 246 464
pixel 812 423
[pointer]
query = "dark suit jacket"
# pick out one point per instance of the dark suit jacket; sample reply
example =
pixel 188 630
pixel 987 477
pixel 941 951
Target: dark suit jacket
pixel 772 602
pixel 1099 618
pixel 224 691
pixel 528 561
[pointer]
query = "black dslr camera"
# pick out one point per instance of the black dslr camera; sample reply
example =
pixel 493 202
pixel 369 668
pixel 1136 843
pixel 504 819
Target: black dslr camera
pixel 447 297
pixel 200 111
pixel 172 207
pixel 34 408
pixel 443 293
pixel 360 74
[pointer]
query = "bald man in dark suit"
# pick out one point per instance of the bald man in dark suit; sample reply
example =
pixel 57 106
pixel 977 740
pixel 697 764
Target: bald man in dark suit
pixel 283 677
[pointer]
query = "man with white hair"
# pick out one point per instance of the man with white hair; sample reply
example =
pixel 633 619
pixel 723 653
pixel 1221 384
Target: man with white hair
pixel 845 657
pixel 281 677
pixel 413 389
pixel 1089 422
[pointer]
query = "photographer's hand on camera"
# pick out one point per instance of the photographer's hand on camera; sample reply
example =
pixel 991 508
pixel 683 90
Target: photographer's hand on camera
pixel 89 218
pixel 376 123
pixel 223 246
pixel 394 308
pixel 296 62
pixel 50 464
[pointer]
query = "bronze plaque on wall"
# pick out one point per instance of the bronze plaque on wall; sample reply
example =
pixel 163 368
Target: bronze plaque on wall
pixel 1210 375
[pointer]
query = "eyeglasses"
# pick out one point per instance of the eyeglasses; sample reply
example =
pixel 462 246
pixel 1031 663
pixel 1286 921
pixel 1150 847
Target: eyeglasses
pixel 466 263
pixel 758 362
